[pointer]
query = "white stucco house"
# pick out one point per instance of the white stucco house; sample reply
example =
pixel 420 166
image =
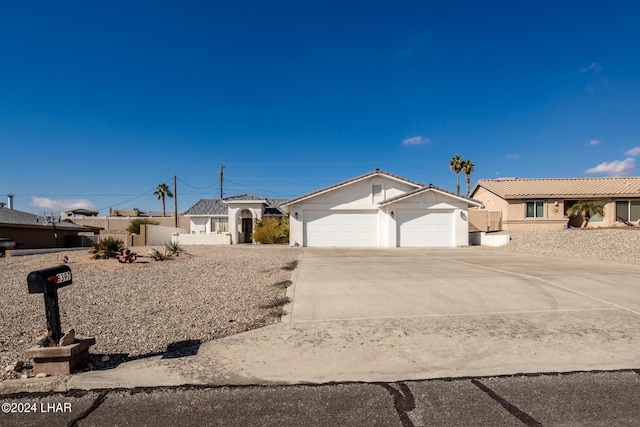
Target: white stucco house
pixel 379 209
pixel 227 221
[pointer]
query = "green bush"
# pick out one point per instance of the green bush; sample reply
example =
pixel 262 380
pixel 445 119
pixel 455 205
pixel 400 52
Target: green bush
pixel 271 230
pixel 134 227
pixel 109 247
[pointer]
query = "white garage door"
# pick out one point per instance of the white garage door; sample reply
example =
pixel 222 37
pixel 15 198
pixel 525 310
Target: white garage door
pixel 418 228
pixel 341 228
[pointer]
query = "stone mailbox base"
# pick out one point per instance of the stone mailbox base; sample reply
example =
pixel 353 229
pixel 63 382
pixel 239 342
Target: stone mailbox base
pixel 60 360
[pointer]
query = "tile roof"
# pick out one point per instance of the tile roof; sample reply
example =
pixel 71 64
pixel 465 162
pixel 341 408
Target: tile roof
pixel 208 207
pixel 19 218
pixel 348 181
pixel 218 206
pixel 425 188
pixel 244 197
pixel 11 216
pixel 517 188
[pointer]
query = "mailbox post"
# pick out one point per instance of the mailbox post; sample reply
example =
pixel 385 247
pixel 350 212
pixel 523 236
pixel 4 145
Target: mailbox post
pixel 47 282
pixel 57 360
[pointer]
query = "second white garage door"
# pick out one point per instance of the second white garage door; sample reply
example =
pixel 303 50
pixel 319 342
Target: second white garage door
pixel 341 228
pixel 417 228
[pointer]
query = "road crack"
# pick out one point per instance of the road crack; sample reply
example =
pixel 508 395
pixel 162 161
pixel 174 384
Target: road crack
pixel 403 402
pixel 512 409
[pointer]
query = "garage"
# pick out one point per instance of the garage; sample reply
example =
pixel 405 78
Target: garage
pixel 417 228
pixel 341 228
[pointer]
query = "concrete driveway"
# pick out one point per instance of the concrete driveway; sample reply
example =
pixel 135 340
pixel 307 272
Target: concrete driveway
pixel 341 284
pixel 384 315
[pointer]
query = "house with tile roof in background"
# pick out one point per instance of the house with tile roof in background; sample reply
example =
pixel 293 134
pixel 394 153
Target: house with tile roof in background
pixel 529 204
pixel 227 221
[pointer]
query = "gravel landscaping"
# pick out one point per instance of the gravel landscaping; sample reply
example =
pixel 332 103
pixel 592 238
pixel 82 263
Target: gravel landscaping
pixel 148 307
pixel 617 245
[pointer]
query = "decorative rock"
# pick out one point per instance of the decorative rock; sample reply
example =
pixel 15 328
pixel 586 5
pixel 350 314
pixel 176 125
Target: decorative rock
pixel 68 338
pixel 9 368
pixel 42 375
pixel 42 340
pixel 105 358
pixel 24 376
pixel 15 366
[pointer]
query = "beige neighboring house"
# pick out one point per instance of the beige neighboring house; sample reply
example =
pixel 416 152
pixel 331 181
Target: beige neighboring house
pixel 532 203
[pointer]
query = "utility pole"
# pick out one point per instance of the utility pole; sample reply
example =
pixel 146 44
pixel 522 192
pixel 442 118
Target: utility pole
pixel 175 202
pixel 221 176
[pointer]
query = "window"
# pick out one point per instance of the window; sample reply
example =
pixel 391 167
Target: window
pixel 628 210
pixel 219 225
pixel 535 209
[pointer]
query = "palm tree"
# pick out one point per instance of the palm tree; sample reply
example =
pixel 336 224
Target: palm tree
pixel 586 208
pixel 163 191
pixel 467 167
pixel 456 165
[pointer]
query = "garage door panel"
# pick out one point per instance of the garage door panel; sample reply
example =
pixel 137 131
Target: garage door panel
pixel 341 228
pixel 420 228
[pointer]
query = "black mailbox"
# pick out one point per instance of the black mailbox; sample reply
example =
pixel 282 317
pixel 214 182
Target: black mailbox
pixel 47 282
pixel 43 281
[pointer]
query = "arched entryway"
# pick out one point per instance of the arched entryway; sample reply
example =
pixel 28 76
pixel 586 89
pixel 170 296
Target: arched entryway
pixel 245 233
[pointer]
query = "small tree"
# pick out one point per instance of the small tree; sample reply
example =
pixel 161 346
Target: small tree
pixel 456 165
pixel 586 208
pixel 163 191
pixel 271 230
pixel 134 227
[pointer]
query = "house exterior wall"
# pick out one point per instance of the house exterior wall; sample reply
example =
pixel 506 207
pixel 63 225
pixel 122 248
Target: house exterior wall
pixel 41 237
pixel 554 217
pixel 354 196
pixel 235 221
pixel 430 201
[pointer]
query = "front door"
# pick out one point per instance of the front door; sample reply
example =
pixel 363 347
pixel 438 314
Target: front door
pixel 247 230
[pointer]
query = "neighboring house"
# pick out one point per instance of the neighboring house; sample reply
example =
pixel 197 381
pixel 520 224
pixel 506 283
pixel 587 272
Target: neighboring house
pixel 28 233
pixel 379 209
pixel 543 203
pixel 119 220
pixel 229 220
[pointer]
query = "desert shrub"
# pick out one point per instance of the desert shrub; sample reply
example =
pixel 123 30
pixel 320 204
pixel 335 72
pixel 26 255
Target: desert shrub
pixel 134 227
pixel 156 255
pixel 109 247
pixel 271 230
pixel 174 248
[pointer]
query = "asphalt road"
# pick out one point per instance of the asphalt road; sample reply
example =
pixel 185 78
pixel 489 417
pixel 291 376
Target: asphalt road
pixel 578 399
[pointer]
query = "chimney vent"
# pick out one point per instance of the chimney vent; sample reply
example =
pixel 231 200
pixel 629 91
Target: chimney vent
pixel 10 201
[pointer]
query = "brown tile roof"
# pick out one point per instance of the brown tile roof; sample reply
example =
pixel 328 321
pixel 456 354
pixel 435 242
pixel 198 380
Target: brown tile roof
pixel 517 188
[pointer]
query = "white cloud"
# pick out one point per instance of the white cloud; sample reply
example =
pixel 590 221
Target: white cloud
pixel 614 168
pixel 512 156
pixel 61 205
pixel 416 140
pixel 594 142
pixel 635 151
pixel 594 66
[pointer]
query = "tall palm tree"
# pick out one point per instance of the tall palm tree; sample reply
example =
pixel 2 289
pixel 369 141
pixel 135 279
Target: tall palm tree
pixel 467 167
pixel 163 191
pixel 456 165
pixel 586 208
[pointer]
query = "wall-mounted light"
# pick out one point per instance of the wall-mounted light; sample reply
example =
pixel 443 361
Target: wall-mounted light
pixel 391 213
pixel 296 214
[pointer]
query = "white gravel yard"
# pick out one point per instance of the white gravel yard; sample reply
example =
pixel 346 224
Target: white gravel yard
pixel 142 309
pixel 618 245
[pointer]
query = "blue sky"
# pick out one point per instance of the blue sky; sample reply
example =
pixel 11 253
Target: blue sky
pixel 102 101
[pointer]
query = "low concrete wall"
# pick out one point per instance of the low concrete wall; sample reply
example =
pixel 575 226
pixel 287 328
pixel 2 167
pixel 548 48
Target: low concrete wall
pixel 157 235
pixel 484 239
pixel 202 239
